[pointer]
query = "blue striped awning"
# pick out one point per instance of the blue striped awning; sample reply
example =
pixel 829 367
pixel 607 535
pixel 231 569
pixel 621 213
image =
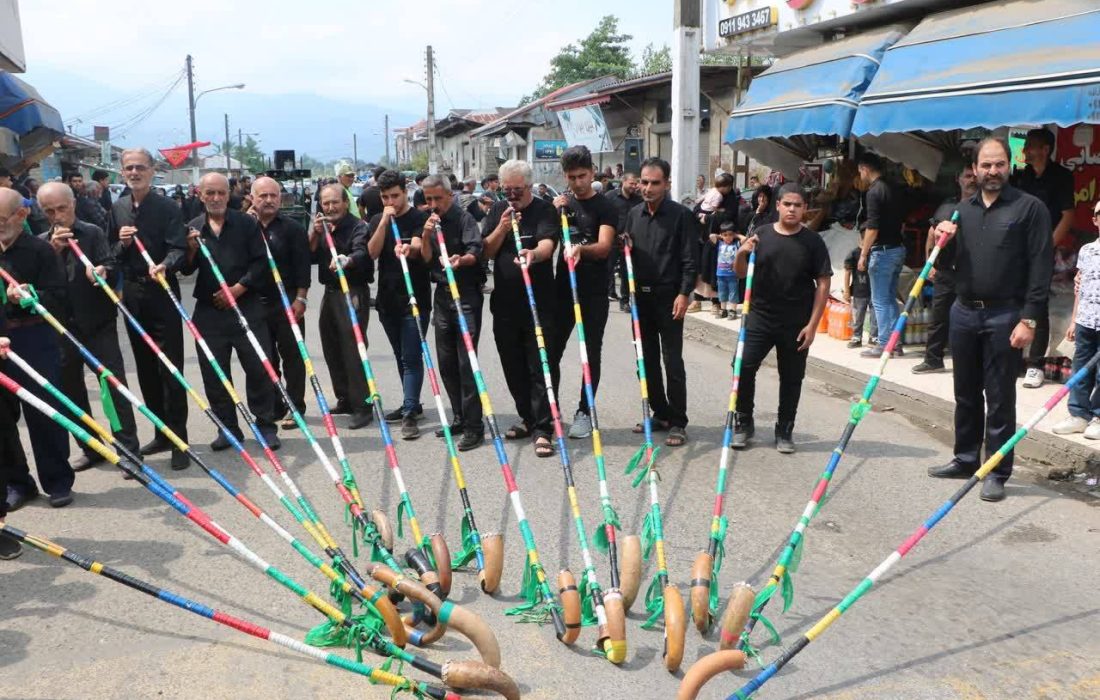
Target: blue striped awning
pixel 1002 64
pixel 814 91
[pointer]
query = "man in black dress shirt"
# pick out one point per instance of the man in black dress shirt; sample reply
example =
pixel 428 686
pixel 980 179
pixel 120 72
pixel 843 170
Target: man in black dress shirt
pixel 464 246
pixel 88 209
pixel 513 328
pixel 592 220
pixel 103 179
pixel 31 261
pixel 157 222
pixel 92 316
pixel 624 199
pixel 233 239
pixel 664 239
pixel 883 252
pixel 289 245
pixel 349 383
pixel 1054 187
pixel 394 311
pixel 1003 264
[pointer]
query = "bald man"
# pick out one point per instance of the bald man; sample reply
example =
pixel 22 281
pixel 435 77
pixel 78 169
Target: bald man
pixel 234 241
pixel 289 245
pixel 91 315
pixel 31 261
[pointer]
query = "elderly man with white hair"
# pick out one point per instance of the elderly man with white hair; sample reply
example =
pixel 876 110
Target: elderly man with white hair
pixel 92 316
pixel 513 327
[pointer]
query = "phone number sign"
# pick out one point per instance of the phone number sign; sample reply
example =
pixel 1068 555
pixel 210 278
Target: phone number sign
pixel 748 22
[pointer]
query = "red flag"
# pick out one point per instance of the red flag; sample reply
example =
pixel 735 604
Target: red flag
pixel 176 155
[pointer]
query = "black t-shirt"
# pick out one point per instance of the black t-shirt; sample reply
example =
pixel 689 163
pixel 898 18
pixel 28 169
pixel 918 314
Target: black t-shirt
pixel 1055 188
pixel 585 217
pixel 538 222
pixel 861 281
pixel 785 278
pixel 393 297
pixel 884 214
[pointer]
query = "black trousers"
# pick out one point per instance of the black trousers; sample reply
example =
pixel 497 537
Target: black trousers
pixel 594 312
pixel 1038 348
pixel 13 460
pixel 155 312
pixel 225 336
pixel 349 383
pixel 986 367
pixel 943 297
pixel 616 262
pixel 761 335
pixel 454 361
pixel 38 345
pixel 663 342
pixel 514 333
pixel 286 359
pixel 103 343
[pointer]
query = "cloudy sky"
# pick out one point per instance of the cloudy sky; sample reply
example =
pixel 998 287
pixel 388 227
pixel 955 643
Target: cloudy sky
pixel 314 72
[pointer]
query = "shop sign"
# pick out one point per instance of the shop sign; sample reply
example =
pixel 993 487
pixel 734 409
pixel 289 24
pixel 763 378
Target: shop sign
pixel 748 22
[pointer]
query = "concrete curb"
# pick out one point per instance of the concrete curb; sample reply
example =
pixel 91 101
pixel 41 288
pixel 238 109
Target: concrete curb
pixel 1044 454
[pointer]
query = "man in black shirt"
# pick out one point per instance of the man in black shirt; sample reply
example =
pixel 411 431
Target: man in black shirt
pixel 394 311
pixel 513 328
pixel 91 315
pixel 1054 187
pixel 31 261
pixel 665 243
pixel 233 239
pixel 623 200
pixel 349 382
pixel 1003 263
pixel 790 288
pixel 464 246
pixel 88 208
pixel 157 222
pixel 592 221
pixel 883 252
pixel 12 460
pixel 942 277
pixel 103 179
pixel 289 244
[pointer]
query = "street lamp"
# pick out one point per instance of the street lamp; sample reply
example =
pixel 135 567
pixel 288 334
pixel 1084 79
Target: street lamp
pixel 192 100
pixel 238 86
pixel 431 113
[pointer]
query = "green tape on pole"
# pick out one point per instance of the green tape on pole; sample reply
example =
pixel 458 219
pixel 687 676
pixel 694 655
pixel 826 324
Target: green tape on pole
pixel 108 402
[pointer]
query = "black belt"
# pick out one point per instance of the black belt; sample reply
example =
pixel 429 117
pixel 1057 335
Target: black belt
pixel 988 303
pixel 885 247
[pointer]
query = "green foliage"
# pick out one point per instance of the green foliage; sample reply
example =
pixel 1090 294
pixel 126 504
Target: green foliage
pixel 603 52
pixel 655 60
pixel 250 155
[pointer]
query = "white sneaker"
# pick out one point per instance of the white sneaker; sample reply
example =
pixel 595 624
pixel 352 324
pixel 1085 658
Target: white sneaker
pixel 1071 425
pixel 1093 431
pixel 582 426
pixel 1033 379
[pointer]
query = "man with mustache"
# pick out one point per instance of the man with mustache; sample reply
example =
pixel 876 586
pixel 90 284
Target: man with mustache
pixel 1003 264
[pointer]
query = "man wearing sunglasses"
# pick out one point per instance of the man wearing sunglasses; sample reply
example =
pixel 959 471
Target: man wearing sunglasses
pixel 158 223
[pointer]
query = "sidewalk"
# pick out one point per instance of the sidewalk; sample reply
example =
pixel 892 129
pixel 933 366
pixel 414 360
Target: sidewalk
pixel 927 398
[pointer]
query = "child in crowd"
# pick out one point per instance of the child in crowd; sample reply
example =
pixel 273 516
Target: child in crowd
pixel 857 292
pixel 1084 332
pixel 725 277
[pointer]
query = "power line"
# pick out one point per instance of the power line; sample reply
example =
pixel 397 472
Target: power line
pixel 123 127
pixel 122 102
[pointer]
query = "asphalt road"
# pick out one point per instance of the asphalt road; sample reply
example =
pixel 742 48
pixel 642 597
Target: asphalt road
pixel 998 602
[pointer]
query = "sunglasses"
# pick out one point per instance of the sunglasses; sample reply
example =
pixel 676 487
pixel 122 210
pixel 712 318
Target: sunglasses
pixel 514 190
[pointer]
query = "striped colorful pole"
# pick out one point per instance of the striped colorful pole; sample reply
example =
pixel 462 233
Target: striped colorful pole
pixel 346 487
pixel 704 591
pixel 488 575
pixel 791 556
pixel 306 516
pixel 662 598
pixel 592 596
pixel 414 558
pixel 914 539
pixel 540 600
pixel 604 538
pixel 92 566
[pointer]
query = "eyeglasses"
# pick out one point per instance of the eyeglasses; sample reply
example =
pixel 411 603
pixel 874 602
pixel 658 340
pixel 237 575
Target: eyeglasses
pixel 514 190
pixel 135 168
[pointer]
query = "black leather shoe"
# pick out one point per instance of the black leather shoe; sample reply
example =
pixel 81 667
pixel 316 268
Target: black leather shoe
pixel 9 548
pixel 85 462
pixel 179 461
pixel 16 498
pixel 409 429
pixel 60 500
pixel 361 419
pixel 456 429
pixel 155 446
pixel 272 440
pixel 394 416
pixel 784 441
pixel 993 489
pixel 222 443
pixel 743 430
pixel 340 409
pixel 952 470
pixel 470 441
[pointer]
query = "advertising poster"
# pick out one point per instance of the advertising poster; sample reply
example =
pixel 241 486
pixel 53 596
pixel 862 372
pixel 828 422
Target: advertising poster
pixel 585 126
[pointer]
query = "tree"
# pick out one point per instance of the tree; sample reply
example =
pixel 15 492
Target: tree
pixel 655 60
pixel 603 52
pixel 250 155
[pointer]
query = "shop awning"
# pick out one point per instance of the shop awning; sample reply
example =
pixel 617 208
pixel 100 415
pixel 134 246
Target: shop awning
pixel 1025 62
pixel 23 110
pixel 815 91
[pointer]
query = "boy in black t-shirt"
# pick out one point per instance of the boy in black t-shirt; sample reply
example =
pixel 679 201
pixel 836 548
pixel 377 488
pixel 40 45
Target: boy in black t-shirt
pixel 790 287
pixel 857 291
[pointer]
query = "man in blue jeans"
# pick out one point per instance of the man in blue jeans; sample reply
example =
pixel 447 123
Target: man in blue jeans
pixel 882 252
pixel 393 299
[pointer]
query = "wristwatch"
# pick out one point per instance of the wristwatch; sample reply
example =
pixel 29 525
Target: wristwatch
pixel 1029 322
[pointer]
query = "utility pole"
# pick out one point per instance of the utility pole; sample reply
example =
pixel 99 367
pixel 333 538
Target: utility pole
pixel 191 114
pixel 355 153
pixel 388 141
pixel 240 143
pixel 685 97
pixel 431 113
pixel 227 146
